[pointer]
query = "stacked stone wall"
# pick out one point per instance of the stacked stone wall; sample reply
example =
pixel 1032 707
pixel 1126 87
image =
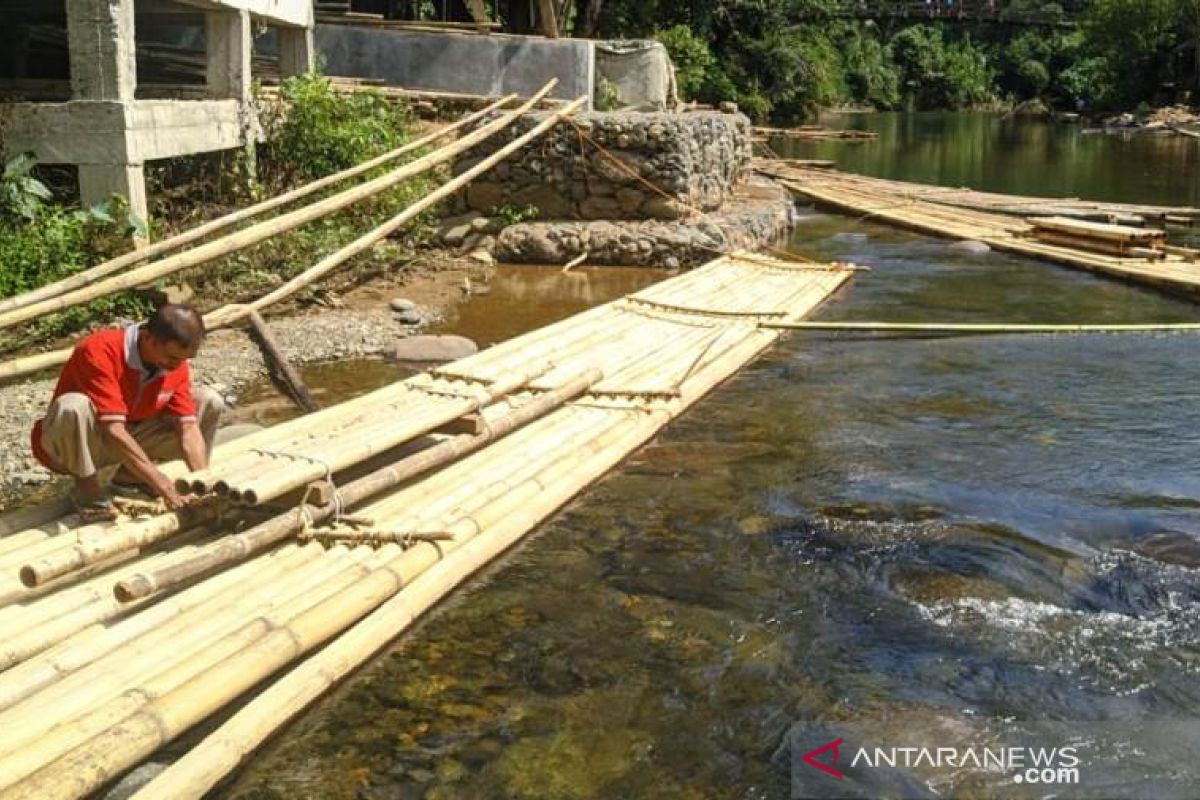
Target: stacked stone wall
pixel 694 159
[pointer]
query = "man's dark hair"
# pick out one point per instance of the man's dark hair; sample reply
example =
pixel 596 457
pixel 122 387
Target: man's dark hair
pixel 175 322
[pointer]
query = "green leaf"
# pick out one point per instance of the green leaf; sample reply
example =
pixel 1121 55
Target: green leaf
pixel 19 166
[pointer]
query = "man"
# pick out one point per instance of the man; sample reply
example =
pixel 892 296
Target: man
pixel 126 397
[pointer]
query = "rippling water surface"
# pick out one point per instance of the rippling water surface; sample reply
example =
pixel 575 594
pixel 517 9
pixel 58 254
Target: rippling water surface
pixel 917 541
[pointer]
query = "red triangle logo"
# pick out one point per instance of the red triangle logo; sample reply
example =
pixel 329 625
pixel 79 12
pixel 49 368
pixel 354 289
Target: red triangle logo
pixel 810 758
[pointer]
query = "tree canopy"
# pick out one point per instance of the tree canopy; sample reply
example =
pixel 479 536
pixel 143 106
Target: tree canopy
pixel 785 58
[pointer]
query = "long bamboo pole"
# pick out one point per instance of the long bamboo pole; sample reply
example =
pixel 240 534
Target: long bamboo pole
pixel 981 328
pixel 95 543
pixel 343 568
pixel 140 276
pixel 108 676
pixel 94 642
pixel 386 229
pixel 238 546
pixel 218 754
pixel 119 263
pixel 305 471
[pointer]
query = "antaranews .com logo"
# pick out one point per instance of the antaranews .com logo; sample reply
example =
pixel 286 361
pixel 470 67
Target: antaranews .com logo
pixel 884 761
pixel 1055 765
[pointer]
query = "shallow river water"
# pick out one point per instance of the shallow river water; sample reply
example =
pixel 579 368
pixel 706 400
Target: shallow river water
pixel 895 542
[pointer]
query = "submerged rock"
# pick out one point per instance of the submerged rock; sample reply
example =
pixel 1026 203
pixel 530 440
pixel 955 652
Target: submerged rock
pixel 433 348
pixel 970 248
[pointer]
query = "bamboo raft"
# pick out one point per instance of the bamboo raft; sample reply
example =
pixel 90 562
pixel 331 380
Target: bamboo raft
pixel 1090 247
pixel 1012 205
pixel 816 133
pixel 122 636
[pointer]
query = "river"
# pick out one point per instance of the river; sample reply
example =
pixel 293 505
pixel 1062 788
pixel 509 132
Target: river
pixel 895 542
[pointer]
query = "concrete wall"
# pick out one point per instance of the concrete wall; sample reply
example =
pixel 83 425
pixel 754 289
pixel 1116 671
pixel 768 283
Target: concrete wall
pixel 465 63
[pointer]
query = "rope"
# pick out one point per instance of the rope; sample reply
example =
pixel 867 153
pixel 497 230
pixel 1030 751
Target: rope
pixel 303 516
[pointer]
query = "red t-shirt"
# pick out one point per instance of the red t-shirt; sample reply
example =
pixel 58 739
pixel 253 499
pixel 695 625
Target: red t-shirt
pixel 107 367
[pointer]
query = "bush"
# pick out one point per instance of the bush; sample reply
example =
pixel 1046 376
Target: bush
pixel 318 131
pixel 691 57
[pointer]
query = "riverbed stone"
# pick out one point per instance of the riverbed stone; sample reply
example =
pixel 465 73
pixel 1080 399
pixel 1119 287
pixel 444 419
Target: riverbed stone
pixel 971 248
pixel 433 348
pixel 402 304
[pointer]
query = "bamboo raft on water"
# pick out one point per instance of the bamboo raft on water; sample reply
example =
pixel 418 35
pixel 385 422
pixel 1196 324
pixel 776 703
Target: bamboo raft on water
pixel 1110 250
pixel 816 133
pixel 1013 205
pixel 122 636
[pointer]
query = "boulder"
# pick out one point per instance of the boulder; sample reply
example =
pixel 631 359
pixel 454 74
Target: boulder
pixel 433 348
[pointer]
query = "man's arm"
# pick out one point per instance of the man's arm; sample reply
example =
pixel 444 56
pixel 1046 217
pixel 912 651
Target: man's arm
pixel 191 441
pixel 134 458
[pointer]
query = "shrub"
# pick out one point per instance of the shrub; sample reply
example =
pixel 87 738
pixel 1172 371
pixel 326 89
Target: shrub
pixel 317 130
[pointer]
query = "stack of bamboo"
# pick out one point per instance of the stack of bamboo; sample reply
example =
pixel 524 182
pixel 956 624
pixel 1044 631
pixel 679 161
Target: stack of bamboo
pixel 1117 240
pixel 98 683
pixel 1111 213
pixel 919 208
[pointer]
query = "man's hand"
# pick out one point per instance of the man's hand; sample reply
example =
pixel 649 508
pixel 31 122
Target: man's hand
pixel 134 459
pixel 173 499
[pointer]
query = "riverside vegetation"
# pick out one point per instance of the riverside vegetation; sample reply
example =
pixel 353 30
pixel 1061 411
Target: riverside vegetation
pixel 784 59
pixel 311 132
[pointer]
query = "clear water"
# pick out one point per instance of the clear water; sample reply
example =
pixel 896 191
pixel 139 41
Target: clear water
pixel 897 541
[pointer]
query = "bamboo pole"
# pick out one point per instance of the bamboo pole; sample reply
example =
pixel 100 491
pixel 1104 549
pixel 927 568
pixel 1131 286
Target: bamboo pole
pixel 95 543
pixel 233 242
pixel 981 328
pixel 194 774
pixel 92 274
pixel 386 229
pixel 334 459
pixel 347 568
pixel 110 675
pixel 168 617
pixel 239 546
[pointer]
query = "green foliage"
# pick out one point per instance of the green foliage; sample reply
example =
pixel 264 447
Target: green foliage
pixel 870 76
pixel 937 74
pixel 21 194
pixel 318 131
pixel 512 215
pixel 691 56
pixel 41 241
pixel 1138 44
pixel 784 58
pixel 608 97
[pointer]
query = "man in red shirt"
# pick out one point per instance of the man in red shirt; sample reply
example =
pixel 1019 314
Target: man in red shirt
pixel 126 397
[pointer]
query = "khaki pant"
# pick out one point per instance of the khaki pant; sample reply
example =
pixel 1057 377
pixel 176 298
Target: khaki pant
pixel 71 434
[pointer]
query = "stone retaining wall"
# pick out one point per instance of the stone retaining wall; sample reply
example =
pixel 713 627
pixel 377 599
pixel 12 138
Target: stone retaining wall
pixel 696 159
pixel 758 215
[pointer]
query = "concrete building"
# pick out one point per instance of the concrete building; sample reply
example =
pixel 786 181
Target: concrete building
pixel 106 125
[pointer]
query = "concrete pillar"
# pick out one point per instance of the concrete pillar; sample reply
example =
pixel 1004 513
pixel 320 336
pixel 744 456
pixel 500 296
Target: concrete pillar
pixel 228 36
pixel 295 51
pixel 103 58
pixel 99 182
